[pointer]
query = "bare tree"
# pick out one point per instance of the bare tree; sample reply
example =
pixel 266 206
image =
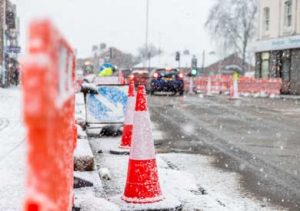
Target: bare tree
pixel 232 24
pixel 150 52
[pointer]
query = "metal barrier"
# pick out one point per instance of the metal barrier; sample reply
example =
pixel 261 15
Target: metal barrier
pixel 49 103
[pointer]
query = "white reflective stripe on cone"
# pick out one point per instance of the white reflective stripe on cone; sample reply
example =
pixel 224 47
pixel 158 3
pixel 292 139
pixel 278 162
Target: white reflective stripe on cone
pixel 142 145
pixel 130 111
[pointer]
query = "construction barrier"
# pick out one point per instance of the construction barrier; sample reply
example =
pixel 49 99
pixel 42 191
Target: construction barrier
pixel 260 86
pixel 108 106
pixel 48 76
pixel 247 85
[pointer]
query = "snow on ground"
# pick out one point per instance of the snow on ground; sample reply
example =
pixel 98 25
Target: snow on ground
pixel 192 179
pixel 80 106
pixel 12 150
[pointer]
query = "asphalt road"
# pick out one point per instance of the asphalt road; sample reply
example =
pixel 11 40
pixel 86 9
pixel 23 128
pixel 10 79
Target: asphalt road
pixel 258 138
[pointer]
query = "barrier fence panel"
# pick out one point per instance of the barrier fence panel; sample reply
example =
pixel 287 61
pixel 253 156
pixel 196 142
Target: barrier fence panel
pixel 223 83
pixel 48 75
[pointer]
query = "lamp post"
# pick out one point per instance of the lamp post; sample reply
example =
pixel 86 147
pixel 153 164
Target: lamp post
pixel 2 41
pixel 147 35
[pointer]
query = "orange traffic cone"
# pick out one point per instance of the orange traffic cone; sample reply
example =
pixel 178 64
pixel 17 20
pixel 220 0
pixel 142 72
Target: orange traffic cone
pixel 128 124
pixel 142 186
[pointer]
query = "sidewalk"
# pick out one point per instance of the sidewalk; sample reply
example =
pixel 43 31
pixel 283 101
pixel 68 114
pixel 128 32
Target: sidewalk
pixel 290 97
pixel 12 150
pixel 192 179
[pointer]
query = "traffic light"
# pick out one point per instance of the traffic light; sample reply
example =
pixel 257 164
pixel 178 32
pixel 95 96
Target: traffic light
pixel 194 72
pixel 110 53
pixel 10 20
pixel 194 62
pixel 177 58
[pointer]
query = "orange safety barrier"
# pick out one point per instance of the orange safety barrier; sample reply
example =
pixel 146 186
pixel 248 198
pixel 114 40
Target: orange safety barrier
pixel 247 85
pixel 49 105
pixel 256 86
pixel 219 83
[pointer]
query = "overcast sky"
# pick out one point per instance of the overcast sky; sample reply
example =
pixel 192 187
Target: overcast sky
pixel 174 24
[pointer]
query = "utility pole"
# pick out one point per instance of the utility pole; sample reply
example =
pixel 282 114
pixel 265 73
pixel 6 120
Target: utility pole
pixel 2 40
pixel 147 35
pixel 203 61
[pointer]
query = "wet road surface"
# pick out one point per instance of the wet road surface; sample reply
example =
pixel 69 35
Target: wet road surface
pixel 258 138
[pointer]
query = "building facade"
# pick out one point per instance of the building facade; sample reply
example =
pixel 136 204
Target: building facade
pixel 278 43
pixel 9 43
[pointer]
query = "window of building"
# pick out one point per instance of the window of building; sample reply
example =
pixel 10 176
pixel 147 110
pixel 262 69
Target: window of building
pixel 288 13
pixel 266 18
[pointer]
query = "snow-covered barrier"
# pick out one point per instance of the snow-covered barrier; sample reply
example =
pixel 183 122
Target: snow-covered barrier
pixel 48 78
pixel 108 106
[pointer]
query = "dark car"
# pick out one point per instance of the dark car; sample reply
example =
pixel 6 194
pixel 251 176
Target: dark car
pixel 167 80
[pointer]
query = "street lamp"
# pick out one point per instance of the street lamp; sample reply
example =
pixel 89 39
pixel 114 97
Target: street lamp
pixel 147 35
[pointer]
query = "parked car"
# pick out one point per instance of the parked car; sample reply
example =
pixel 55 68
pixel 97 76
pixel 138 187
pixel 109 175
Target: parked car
pixel 140 77
pixel 167 80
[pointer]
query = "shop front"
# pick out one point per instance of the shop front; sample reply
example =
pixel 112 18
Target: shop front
pixel 280 58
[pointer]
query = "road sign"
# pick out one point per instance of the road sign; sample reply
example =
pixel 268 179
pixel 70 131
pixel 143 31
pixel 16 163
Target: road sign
pixel 108 106
pixel 13 49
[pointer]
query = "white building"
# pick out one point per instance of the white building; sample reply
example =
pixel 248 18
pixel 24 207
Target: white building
pixel 278 42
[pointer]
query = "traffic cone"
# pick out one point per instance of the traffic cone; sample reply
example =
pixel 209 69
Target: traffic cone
pixel 128 124
pixel 142 186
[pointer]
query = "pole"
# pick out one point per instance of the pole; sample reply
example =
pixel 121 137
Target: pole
pixel 203 61
pixel 147 33
pixel 2 39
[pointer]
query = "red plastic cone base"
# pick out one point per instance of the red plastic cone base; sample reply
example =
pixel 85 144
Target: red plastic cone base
pixel 126 137
pixel 142 184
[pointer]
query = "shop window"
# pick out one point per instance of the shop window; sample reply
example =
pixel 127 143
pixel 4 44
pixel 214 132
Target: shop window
pixel 288 13
pixel 266 20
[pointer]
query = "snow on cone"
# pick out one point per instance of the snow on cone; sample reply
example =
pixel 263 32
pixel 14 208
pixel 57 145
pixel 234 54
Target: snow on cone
pixel 128 124
pixel 142 186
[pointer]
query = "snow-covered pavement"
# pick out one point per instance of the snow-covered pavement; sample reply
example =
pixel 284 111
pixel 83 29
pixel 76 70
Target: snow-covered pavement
pixel 12 150
pixel 192 179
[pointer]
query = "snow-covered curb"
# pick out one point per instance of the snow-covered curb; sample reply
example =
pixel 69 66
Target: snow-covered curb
pixel 83 156
pixel 192 179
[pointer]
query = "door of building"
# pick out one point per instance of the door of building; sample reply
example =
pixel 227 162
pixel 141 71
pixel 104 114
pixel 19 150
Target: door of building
pixel 265 65
pixel 285 72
